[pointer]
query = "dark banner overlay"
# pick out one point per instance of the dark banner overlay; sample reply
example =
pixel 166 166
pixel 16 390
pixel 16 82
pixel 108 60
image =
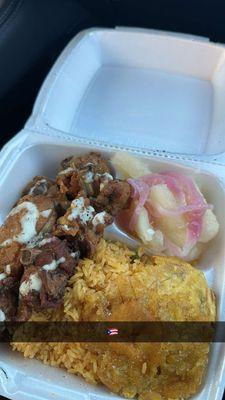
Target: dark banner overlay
pixel 112 331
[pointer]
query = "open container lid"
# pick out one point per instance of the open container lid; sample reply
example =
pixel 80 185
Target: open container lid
pixel 155 91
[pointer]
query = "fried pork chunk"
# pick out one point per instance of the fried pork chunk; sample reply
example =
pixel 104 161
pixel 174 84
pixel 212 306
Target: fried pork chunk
pixel 98 197
pixel 113 197
pixel 10 274
pixel 81 221
pixel 47 268
pixel 87 174
pixel 30 217
pixel 10 260
pixel 40 185
pixel 92 159
pixel 9 284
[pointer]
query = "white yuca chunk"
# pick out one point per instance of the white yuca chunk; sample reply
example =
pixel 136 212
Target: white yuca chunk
pixel 129 166
pixel 174 228
pixel 210 227
pixel 195 252
pixel 143 228
pixel 156 246
pixel 150 237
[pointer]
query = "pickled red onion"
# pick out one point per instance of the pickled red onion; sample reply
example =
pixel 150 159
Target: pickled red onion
pixel 191 204
pixel 169 181
pixel 191 193
pixel 139 194
pixel 195 216
pixel 181 210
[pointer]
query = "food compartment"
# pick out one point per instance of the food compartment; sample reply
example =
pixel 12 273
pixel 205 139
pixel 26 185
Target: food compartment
pixel 142 89
pixel 44 159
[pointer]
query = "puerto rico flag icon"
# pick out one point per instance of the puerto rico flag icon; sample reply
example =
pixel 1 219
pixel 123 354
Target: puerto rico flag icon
pixel 112 331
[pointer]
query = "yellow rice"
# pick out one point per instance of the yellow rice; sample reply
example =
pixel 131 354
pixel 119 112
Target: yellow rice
pixel 91 276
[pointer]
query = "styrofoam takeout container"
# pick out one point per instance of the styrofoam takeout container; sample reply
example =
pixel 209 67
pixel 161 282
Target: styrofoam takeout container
pixel 157 94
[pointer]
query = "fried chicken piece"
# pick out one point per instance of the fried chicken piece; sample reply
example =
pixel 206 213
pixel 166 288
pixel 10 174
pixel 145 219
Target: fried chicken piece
pixel 86 174
pixel 113 197
pixel 81 221
pixel 31 216
pixel 44 281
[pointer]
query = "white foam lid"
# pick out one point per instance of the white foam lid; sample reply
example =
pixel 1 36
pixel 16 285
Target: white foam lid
pixel 138 88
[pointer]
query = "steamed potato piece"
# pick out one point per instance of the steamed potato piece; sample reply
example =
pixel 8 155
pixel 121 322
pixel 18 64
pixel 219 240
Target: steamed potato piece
pixel 174 228
pixel 129 166
pixel 150 237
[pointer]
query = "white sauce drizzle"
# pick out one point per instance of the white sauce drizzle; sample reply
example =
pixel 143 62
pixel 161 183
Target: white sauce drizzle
pixel 99 218
pixel 149 234
pixel 2 316
pixel 33 283
pixel 8 269
pixel 65 227
pixel 45 241
pixel 79 210
pixel 34 241
pixel 54 264
pixel 64 172
pixel 28 223
pixel 46 213
pixel 2 276
pixel 106 177
pixel 89 177
pixel 75 254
